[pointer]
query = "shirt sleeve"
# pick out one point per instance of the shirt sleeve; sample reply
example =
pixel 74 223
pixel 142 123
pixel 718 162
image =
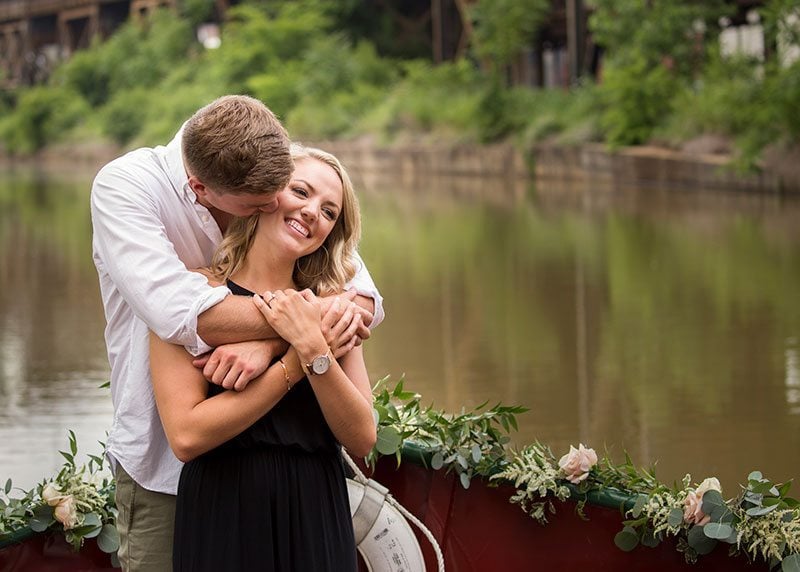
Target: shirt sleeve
pixel 132 246
pixel 365 286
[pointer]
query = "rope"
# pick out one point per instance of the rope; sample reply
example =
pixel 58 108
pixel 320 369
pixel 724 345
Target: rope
pixel 362 478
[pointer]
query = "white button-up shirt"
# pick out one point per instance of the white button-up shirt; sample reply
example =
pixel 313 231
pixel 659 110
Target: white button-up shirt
pixel 148 230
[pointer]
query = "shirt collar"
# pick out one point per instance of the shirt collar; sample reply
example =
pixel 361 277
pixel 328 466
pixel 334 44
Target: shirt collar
pixel 173 158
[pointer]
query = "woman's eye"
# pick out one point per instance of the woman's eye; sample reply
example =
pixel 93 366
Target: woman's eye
pixel 331 215
pixel 300 191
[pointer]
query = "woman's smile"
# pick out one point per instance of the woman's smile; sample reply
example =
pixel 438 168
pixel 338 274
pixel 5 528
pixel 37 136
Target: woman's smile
pixel 298 227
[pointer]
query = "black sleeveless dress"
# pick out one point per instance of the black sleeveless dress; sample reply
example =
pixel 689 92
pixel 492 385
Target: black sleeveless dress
pixel 273 498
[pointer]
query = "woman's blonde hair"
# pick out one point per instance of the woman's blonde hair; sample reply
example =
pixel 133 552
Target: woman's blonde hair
pixel 324 271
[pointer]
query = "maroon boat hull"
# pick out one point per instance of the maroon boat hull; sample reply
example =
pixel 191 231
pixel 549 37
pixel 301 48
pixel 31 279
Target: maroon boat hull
pixel 480 530
pixel 49 552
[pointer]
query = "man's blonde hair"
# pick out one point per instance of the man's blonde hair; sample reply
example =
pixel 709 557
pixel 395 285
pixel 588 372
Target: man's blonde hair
pixel 236 145
pixel 324 271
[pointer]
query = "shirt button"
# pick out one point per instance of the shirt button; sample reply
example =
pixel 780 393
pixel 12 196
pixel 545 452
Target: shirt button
pixel 205 218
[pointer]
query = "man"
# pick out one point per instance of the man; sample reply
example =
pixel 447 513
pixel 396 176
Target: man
pixel 156 213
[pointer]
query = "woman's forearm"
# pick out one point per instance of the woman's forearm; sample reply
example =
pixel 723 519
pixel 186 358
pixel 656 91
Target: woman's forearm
pixel 345 398
pixel 195 424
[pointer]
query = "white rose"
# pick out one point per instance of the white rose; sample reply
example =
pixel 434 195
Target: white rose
pixel 51 494
pixel 577 463
pixel 67 512
pixel 710 484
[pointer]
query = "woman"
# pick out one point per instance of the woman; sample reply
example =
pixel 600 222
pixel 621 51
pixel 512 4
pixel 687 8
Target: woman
pixel 263 487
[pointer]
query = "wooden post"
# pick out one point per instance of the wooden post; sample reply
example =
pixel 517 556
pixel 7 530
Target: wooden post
pixel 575 39
pixel 436 31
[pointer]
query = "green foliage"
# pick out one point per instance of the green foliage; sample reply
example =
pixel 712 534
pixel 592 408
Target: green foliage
pixel 197 11
pixel 503 28
pixel 637 98
pixel 568 117
pixel 125 114
pixel 42 115
pixel 470 443
pixel 136 56
pixel 261 38
pixel 335 84
pixel 654 50
pixel 439 100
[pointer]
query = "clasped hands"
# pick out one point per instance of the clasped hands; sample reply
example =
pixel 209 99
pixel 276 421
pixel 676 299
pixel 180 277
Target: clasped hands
pixel 300 319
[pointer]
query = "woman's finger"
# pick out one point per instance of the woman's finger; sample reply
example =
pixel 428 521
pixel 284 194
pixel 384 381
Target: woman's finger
pixel 261 305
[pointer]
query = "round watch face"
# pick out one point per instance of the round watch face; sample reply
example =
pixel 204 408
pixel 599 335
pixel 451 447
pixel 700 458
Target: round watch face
pixel 320 364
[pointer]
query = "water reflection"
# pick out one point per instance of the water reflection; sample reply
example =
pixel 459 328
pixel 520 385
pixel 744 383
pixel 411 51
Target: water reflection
pixel 663 324
pixel 793 376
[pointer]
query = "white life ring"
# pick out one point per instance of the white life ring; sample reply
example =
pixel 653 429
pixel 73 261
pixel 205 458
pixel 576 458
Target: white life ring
pixel 384 538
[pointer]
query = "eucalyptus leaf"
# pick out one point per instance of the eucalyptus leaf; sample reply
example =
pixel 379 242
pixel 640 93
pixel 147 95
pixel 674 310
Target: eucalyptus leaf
pixel 40 523
pixel 791 563
pixel 717 531
pixel 626 539
pixel 650 539
pixel 712 500
pixel 108 539
pixel 476 453
pixel 755 476
pixel 437 461
pixel 675 517
pixel 640 503
pixel 465 480
pixel 388 441
pixel 92 519
pixel 760 510
pixel 699 541
pixel 7 488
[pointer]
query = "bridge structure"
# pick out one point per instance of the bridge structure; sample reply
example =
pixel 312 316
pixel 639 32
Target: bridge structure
pixel 36 34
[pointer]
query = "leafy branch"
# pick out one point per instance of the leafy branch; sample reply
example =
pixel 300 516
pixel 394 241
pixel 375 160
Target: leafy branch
pixel 470 443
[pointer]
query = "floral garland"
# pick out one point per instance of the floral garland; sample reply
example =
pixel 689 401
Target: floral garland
pixel 78 501
pixel 762 521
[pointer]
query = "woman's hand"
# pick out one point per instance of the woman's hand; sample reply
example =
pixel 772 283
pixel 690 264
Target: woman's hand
pixel 295 317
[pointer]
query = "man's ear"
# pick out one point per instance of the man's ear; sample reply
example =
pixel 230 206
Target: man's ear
pixel 198 187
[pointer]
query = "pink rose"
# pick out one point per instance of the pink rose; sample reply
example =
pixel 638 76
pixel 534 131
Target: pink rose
pixel 67 512
pixel 577 463
pixel 693 509
pixel 693 503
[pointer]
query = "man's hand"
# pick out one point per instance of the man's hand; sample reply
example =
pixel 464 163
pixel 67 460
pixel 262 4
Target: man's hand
pixel 347 300
pixel 233 366
pixel 340 326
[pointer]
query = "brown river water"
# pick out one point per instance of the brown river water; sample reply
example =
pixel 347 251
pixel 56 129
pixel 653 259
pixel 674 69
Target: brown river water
pixel 662 324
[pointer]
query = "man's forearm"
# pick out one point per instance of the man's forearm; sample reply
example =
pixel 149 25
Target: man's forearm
pixel 367 303
pixel 235 319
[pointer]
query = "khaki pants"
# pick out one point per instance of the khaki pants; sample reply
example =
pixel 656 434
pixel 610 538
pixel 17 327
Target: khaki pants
pixel 145 522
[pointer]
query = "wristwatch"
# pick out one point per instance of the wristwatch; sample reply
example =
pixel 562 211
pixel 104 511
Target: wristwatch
pixel 318 365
